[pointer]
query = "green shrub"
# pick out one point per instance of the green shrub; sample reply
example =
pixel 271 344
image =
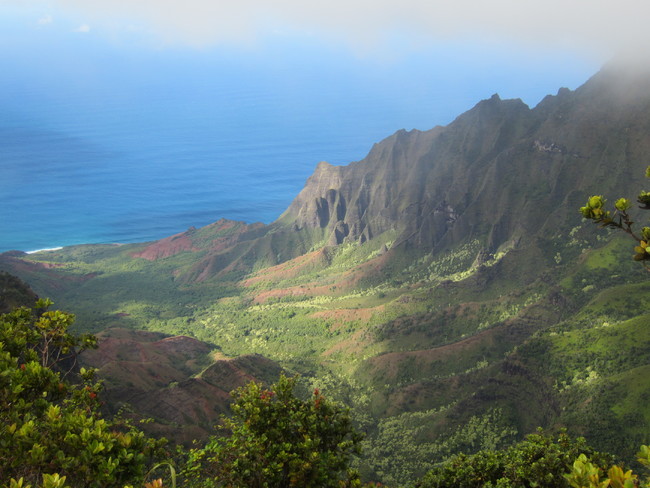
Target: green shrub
pixel 278 440
pixel 538 461
pixel 51 432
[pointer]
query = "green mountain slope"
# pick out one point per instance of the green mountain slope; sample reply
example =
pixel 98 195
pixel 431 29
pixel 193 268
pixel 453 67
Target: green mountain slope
pixel 445 286
pixel 14 293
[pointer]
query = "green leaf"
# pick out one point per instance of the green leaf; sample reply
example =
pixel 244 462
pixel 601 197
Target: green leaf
pixel 622 204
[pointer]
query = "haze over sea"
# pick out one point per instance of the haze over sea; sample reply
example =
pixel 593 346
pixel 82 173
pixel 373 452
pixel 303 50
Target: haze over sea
pixel 104 143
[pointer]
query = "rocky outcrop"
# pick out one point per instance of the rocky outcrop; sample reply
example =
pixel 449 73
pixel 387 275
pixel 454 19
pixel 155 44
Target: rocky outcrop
pixel 497 173
pixel 415 182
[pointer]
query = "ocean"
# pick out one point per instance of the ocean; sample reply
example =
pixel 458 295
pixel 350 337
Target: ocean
pixel 132 149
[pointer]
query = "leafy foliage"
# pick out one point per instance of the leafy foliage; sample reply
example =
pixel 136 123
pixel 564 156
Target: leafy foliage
pixel 278 440
pixel 403 450
pixel 538 461
pixel 584 474
pixel 621 219
pixel 51 429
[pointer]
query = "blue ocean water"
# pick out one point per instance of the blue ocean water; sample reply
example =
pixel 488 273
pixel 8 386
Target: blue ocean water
pixel 130 148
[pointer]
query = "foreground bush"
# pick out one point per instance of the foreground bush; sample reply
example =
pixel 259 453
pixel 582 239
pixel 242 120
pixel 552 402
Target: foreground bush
pixel 619 218
pixel 278 440
pixel 51 432
pixel 538 461
pixel 587 475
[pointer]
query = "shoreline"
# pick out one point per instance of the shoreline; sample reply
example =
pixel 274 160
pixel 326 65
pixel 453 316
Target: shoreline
pixel 44 250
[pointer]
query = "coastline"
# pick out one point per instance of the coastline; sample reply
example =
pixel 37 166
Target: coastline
pixel 44 250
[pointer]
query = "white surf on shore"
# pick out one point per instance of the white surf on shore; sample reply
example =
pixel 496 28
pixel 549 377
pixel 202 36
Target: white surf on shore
pixel 44 250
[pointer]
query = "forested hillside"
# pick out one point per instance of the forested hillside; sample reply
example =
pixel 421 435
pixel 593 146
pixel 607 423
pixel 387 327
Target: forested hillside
pixel 446 287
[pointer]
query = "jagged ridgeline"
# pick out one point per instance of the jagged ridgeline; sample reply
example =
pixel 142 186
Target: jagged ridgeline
pixel 445 287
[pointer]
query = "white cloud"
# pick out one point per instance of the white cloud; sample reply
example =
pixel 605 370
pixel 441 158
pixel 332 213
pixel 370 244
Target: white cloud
pixel 600 27
pixel 45 20
pixel 83 28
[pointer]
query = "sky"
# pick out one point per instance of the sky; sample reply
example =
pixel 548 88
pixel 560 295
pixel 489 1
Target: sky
pixel 463 39
pixel 598 28
pixel 468 49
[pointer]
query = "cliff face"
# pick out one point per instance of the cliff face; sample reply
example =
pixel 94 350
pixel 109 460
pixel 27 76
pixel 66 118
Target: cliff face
pixel 475 178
